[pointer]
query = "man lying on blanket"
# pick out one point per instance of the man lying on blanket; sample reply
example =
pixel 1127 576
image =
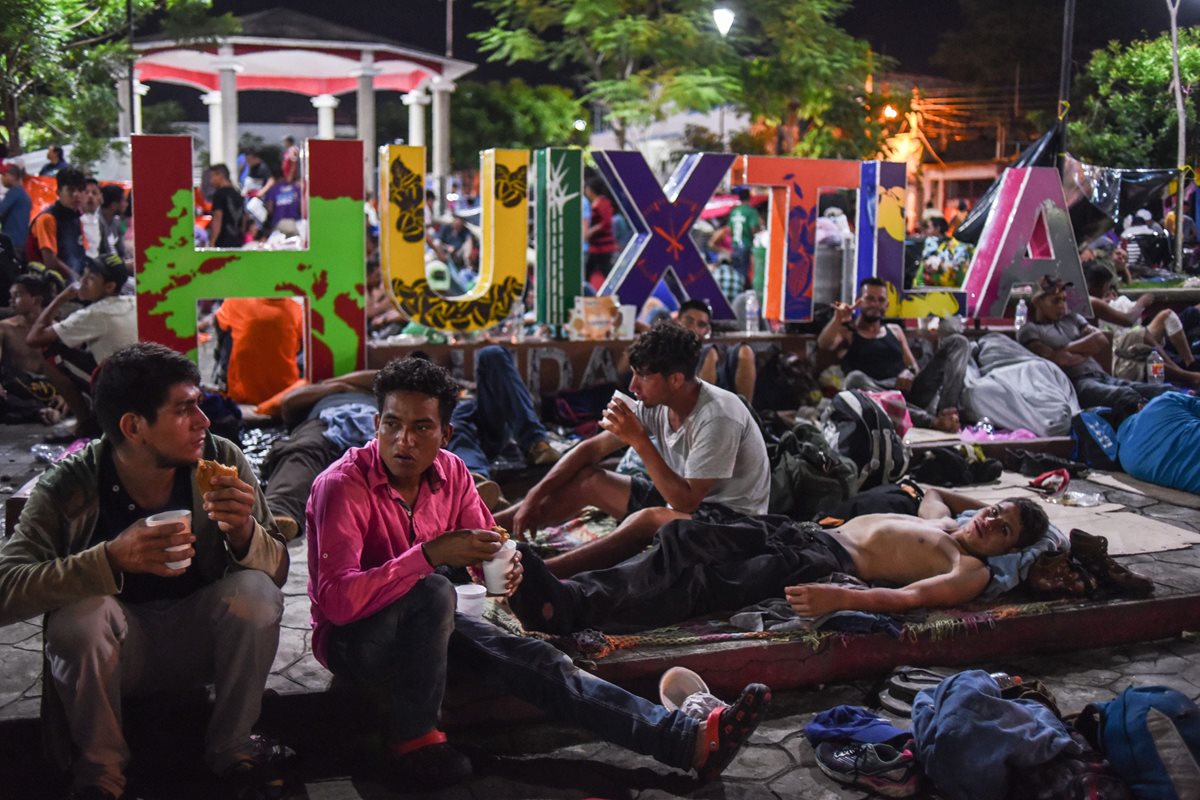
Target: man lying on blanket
pixel 694 569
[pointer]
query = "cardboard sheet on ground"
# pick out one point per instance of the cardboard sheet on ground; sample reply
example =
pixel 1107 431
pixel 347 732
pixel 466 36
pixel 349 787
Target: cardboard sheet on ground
pixel 1128 483
pixel 1127 533
pixel 927 435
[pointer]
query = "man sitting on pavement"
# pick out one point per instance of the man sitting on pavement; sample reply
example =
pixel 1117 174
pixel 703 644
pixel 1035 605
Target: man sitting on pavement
pixel 694 569
pixel 1133 342
pixel 876 356
pixel 29 385
pixel 383 524
pixel 330 417
pixel 701 447
pixel 730 367
pixel 125 616
pixel 91 334
pixel 1071 342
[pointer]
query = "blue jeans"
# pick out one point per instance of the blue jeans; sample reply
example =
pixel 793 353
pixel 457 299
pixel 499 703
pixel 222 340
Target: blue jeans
pixel 1122 396
pixel 407 645
pixel 503 410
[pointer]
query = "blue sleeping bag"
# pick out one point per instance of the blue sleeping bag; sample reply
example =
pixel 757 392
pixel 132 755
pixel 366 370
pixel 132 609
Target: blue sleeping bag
pixel 1159 443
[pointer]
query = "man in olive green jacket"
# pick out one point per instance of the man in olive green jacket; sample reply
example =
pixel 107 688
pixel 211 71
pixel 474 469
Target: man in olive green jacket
pixel 124 615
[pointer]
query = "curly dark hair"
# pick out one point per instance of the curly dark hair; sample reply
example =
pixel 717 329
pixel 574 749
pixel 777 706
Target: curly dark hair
pixel 138 379
pixel 666 348
pixel 1034 521
pixel 420 375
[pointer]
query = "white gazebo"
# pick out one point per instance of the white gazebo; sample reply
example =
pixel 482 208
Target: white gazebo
pixel 287 51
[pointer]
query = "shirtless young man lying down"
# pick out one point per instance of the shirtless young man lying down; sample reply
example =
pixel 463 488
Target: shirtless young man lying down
pixel 694 569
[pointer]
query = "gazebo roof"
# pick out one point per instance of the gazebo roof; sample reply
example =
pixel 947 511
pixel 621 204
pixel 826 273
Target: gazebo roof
pixel 289 51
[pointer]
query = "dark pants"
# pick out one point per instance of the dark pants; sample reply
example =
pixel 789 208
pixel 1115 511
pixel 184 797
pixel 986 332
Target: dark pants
pixel 292 465
pixel 406 647
pixel 1122 396
pixel 503 410
pixel 940 384
pixel 695 568
pixel 740 260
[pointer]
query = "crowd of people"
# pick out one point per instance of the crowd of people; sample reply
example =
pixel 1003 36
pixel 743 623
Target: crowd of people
pixel 388 477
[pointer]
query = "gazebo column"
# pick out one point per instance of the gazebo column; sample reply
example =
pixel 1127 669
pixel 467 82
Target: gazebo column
pixel 227 70
pixel 325 104
pixel 441 137
pixel 366 117
pixel 216 147
pixel 124 114
pixel 140 90
pixel 416 100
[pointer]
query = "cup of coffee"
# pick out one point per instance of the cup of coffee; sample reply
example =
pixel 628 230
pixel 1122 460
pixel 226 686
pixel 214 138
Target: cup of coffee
pixel 471 597
pixel 629 402
pixel 495 571
pixel 169 518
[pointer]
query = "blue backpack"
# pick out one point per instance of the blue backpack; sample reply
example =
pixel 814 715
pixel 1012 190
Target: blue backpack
pixel 1151 738
pixel 1095 441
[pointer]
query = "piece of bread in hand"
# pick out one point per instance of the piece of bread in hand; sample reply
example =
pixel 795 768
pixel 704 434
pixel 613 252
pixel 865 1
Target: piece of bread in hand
pixel 502 531
pixel 208 471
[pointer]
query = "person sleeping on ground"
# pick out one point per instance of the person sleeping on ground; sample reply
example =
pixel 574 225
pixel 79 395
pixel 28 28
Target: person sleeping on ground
pixel 693 569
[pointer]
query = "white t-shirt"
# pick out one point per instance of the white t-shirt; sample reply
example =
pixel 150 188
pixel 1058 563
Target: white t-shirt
pixel 91 233
pixel 719 440
pixel 105 326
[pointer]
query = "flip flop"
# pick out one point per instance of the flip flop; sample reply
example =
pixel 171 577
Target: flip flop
pixel 906 680
pixel 894 704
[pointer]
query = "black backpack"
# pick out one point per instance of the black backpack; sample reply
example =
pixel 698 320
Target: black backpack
pixel 808 477
pixel 785 380
pixel 860 430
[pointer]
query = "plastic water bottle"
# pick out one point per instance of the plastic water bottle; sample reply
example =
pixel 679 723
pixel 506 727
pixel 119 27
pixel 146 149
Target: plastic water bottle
pixel 752 312
pixel 518 321
pixel 1020 315
pixel 1156 370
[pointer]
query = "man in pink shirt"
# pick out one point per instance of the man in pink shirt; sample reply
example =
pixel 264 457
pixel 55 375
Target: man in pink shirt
pixel 385 524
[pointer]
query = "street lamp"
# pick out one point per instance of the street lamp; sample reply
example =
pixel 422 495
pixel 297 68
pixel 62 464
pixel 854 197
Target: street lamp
pixel 723 17
pixel 1181 157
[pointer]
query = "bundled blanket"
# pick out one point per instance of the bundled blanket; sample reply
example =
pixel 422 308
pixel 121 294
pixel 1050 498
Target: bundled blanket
pixel 1016 389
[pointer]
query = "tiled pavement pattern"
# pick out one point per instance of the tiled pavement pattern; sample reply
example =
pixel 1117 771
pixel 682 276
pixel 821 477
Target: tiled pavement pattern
pixel 537 760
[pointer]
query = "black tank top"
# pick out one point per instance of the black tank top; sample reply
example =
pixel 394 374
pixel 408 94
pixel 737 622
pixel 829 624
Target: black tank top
pixel 880 358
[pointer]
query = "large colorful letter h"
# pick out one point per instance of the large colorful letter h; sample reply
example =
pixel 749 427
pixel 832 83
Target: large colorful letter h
pixel 172 274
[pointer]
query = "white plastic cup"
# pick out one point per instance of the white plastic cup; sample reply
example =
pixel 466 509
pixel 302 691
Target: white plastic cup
pixel 677 684
pixel 169 518
pixel 471 597
pixel 626 399
pixel 495 571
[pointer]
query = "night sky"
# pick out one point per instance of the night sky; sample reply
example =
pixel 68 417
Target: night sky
pixel 905 30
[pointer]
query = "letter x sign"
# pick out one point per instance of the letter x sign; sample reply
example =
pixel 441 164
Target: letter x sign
pixel 662 219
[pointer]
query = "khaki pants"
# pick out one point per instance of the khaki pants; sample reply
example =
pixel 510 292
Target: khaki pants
pixel 101 649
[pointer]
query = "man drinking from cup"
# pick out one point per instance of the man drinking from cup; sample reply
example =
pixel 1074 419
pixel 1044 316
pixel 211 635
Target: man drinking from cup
pixel 126 611
pixel 387 524
pixel 704 454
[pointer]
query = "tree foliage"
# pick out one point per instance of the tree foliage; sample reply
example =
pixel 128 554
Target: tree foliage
pixel 60 61
pixel 785 61
pixel 1124 113
pixel 513 115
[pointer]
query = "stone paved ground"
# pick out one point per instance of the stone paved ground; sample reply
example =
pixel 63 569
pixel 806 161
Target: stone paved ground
pixel 533 760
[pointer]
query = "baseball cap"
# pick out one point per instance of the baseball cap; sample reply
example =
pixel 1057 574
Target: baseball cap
pixel 1051 284
pixel 110 267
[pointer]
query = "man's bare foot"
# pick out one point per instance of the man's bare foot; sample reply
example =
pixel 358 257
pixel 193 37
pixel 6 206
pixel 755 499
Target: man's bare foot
pixel 947 421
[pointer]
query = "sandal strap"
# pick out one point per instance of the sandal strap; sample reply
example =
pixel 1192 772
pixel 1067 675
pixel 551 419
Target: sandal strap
pixel 433 737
